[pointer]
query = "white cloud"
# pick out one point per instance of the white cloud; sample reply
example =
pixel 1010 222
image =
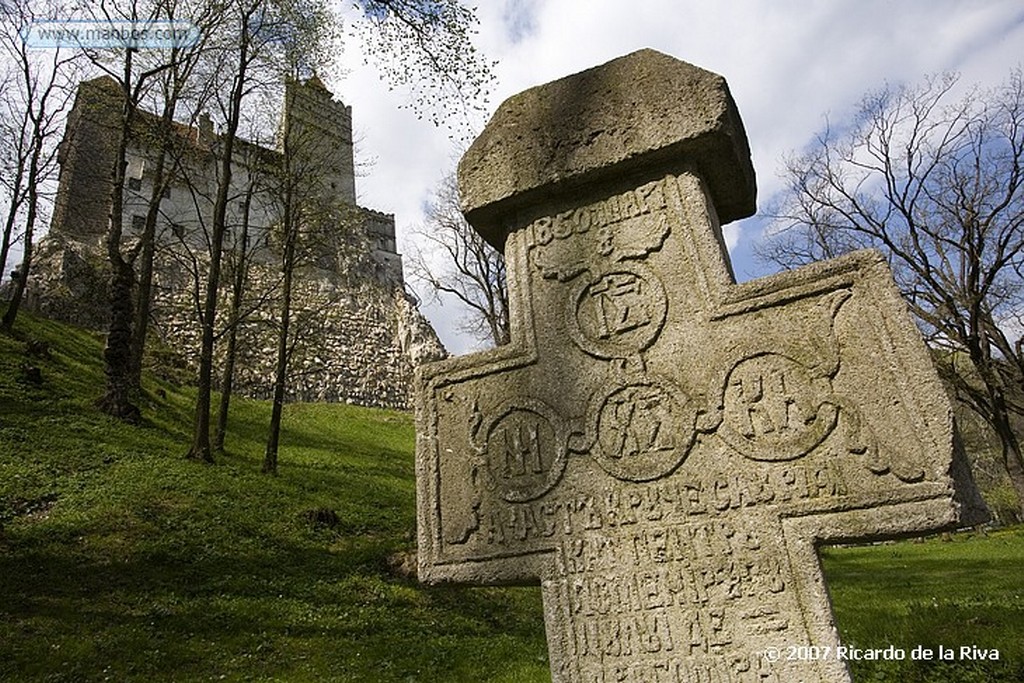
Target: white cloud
pixel 788 63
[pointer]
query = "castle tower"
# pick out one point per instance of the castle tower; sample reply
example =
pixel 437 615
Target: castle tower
pixel 322 127
pixel 86 156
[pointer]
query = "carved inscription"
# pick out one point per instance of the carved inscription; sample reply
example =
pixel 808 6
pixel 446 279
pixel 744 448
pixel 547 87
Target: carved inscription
pixel 669 501
pixel 644 430
pixel 525 450
pixel 629 225
pixel 775 409
pixel 657 593
pixel 618 313
pixel 695 564
pixel 735 668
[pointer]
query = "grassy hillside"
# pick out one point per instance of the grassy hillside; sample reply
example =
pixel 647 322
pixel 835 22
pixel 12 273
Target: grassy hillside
pixel 120 560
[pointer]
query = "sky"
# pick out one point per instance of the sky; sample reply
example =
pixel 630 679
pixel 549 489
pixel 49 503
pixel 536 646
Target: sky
pixel 789 65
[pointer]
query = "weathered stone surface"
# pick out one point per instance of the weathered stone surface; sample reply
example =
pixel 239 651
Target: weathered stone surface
pixel 640 115
pixel 662 448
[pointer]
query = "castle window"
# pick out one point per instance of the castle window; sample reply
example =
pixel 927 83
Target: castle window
pixel 138 222
pixel 135 183
pixel 167 191
pixel 136 167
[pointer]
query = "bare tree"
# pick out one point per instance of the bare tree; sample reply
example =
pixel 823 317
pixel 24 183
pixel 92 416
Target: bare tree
pixel 134 71
pixel 9 163
pixel 310 216
pixel 240 265
pixel 256 34
pixel 34 99
pixel 453 260
pixel 291 222
pixel 174 86
pixel 197 170
pixel 936 183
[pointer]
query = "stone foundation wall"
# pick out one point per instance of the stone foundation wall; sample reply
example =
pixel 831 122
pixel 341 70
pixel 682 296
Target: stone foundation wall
pixel 356 339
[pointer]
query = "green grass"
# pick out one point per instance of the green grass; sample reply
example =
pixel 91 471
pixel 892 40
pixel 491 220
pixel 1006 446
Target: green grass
pixel 122 561
pixel 958 590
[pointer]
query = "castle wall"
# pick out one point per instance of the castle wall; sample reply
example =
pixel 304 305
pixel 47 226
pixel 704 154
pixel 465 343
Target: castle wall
pixel 355 341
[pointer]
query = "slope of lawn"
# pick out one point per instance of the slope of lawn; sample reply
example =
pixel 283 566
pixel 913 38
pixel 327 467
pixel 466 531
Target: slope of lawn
pixel 122 561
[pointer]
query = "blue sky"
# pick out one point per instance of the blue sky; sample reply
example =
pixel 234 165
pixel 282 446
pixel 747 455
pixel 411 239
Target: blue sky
pixel 789 63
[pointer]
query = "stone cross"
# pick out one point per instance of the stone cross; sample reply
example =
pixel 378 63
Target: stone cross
pixel 661 448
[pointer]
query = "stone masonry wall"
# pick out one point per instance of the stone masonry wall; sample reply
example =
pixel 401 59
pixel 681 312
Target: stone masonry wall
pixel 356 339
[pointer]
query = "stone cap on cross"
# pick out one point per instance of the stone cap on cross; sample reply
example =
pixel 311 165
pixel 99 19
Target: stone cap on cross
pixel 660 447
pixel 640 114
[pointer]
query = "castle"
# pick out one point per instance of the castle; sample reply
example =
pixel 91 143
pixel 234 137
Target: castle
pixel 359 332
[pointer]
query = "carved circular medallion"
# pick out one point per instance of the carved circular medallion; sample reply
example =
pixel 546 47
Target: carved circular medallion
pixel 618 313
pixel 526 450
pixel 775 409
pixel 644 429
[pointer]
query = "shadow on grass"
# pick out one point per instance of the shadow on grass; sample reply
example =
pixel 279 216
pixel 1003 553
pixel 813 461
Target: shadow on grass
pixel 285 612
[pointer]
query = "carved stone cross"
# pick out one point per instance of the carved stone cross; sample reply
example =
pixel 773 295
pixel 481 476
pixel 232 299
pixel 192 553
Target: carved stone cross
pixel 660 447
